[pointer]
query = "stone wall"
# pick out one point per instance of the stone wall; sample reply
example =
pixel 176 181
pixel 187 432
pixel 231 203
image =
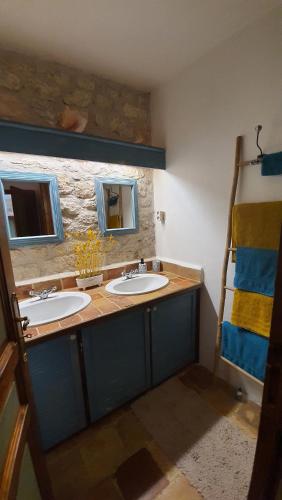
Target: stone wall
pixel 35 91
pixel 79 211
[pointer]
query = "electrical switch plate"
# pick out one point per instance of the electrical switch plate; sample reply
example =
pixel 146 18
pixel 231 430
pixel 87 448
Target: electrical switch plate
pixel 161 216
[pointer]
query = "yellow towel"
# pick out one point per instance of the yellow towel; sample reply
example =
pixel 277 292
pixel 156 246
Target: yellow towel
pixel 252 311
pixel 257 225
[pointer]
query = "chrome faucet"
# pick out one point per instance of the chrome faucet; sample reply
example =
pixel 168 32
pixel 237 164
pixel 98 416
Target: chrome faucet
pixel 130 274
pixel 43 294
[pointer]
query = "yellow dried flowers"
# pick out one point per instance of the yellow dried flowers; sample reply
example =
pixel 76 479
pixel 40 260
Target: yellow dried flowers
pixel 90 248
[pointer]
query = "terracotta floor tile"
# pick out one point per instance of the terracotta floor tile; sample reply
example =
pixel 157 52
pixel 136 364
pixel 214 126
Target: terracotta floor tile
pixel 90 312
pixel 69 477
pixel 247 417
pixel 69 282
pixel 200 378
pixel 221 401
pixel 94 294
pixel 169 274
pixel 121 301
pixel 140 478
pixel 178 280
pixel 166 466
pixel 180 489
pixel 22 291
pixel 197 377
pixel 73 320
pixel 216 392
pixel 221 396
pixel 154 295
pixel 105 306
pixel 117 459
pixel 140 299
pixel 171 287
pixel 103 453
pixel 106 490
pixel 111 419
pixel 133 434
pixel 49 328
pixel 188 282
pixel 249 413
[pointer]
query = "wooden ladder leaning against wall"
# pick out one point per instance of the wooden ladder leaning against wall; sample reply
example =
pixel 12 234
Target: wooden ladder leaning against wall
pixel 238 165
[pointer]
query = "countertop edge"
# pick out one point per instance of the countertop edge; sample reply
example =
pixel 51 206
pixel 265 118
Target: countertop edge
pixel 38 338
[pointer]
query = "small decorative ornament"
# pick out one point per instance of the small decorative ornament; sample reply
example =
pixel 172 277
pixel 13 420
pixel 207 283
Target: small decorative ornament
pixel 72 120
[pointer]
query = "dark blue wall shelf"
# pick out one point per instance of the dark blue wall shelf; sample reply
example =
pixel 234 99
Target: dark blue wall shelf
pixel 31 139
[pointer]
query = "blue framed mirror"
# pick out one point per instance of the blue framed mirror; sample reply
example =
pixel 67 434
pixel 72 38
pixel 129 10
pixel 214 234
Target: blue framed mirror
pixel 32 208
pixel 117 205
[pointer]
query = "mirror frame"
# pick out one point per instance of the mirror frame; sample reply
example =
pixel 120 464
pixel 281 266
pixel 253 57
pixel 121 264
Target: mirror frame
pixel 100 200
pixel 58 235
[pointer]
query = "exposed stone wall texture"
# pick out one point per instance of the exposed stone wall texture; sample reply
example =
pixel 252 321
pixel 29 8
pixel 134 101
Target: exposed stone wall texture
pixel 79 211
pixel 35 91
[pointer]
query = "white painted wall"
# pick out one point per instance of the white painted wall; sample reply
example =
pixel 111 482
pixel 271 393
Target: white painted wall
pixel 197 117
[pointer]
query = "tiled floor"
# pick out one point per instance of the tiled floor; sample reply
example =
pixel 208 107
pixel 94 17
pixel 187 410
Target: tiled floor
pixel 117 459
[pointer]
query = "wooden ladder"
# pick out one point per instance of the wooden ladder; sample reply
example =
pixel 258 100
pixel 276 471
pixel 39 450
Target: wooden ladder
pixel 238 164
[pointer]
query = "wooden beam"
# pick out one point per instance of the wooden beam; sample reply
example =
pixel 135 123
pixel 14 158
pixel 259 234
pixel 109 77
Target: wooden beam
pixel 30 139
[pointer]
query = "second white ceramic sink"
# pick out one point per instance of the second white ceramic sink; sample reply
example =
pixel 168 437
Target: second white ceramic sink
pixel 141 283
pixel 58 305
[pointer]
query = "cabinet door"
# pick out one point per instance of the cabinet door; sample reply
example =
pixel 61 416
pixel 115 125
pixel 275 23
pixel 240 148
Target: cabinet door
pixel 57 388
pixel 172 335
pixel 116 354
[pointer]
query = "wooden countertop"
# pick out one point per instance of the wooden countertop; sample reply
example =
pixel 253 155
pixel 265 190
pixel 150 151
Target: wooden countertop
pixel 104 304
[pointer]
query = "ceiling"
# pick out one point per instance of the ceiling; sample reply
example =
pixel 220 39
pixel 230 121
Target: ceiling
pixel 139 42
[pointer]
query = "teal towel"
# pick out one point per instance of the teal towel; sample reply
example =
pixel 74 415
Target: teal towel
pixel 245 349
pixel 255 270
pixel 272 164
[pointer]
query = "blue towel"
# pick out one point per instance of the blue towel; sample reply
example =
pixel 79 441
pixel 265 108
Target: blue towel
pixel 272 164
pixel 255 270
pixel 244 349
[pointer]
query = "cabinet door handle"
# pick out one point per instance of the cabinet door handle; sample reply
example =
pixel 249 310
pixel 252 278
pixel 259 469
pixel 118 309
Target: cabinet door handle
pixel 148 309
pixel 155 308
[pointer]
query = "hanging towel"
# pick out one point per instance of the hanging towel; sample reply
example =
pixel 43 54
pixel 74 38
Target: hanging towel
pixel 272 164
pixel 245 349
pixel 257 225
pixel 252 311
pixel 255 270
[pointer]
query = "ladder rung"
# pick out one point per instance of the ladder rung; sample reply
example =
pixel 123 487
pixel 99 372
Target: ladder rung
pixel 232 249
pixel 241 370
pixel 249 162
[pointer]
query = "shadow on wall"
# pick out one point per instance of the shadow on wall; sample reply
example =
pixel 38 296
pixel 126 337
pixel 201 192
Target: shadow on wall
pixel 208 325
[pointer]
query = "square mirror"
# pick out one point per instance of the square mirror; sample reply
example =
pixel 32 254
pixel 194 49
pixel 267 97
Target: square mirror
pixel 117 205
pixel 32 208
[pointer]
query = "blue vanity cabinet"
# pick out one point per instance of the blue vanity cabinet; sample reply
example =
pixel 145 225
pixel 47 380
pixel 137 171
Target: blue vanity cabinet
pixel 117 360
pixel 173 335
pixel 57 388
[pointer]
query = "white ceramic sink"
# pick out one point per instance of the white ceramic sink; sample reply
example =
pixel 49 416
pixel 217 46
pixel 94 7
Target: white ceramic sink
pixel 58 305
pixel 141 283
